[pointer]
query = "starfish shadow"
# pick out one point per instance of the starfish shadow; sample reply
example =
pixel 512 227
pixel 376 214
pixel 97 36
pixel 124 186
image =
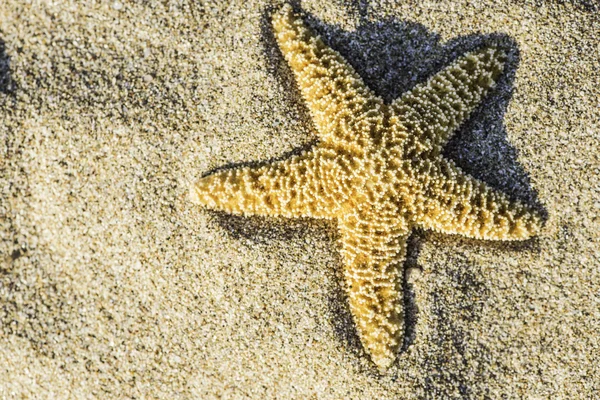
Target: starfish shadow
pixel 264 230
pixel 392 57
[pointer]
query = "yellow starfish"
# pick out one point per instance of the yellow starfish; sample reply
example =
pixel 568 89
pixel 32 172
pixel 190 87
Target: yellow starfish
pixel 378 171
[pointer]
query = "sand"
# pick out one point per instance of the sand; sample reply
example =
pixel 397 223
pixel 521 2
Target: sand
pixel 113 286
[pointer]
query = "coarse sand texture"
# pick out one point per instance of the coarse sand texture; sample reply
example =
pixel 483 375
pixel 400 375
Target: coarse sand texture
pixel 359 167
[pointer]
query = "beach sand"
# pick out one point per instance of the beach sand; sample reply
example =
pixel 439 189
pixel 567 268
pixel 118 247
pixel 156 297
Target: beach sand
pixel 112 285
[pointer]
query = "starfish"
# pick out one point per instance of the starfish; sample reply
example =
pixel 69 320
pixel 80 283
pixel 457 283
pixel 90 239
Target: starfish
pixel 377 169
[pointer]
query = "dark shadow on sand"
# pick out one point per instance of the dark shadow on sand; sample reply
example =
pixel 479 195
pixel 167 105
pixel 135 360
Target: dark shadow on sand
pixel 7 84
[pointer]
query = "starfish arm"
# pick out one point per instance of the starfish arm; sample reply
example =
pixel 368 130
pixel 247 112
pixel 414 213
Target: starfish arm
pixel 337 98
pixel 456 203
pixel 373 254
pixel 434 110
pixel 289 188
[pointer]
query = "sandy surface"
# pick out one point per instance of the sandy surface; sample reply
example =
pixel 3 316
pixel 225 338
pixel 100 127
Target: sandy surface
pixel 111 284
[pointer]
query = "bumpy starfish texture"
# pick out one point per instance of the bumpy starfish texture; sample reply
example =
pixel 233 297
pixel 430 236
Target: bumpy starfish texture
pixel 378 171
